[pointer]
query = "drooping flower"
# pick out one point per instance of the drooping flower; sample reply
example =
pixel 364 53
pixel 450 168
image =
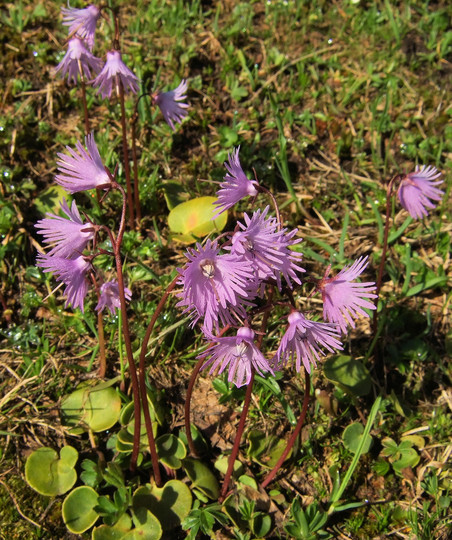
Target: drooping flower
pixel 71 272
pixel 239 354
pixel 417 191
pixel 69 236
pixel 267 248
pixel 83 170
pixel 109 296
pixel 236 185
pixel 170 103
pixel 114 73
pixel 78 60
pixel 344 300
pixel 82 22
pixel 215 286
pixel 304 340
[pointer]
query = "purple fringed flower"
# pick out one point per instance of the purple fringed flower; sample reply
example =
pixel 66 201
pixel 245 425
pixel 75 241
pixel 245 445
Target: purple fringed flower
pixel 109 296
pixel 416 191
pixel 236 185
pixel 82 171
pixel 115 72
pixel 343 299
pixel 77 61
pixel 267 249
pixel 72 272
pixel 214 285
pixel 303 342
pixel 69 236
pixel 82 22
pixel 170 104
pixel 239 354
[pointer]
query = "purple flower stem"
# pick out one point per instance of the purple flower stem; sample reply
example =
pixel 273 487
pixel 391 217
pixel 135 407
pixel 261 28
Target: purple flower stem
pixel 100 334
pixel 142 381
pixel 125 329
pixel 246 404
pixel 238 437
pixel 384 250
pixel 136 191
pixel 85 104
pixel 294 435
pixel 125 151
pixel 188 395
pixel 275 204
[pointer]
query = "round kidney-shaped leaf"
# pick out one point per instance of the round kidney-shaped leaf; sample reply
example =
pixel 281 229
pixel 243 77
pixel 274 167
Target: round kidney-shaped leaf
pixel 170 450
pixel 49 474
pixel 170 503
pixel 193 219
pixel 352 438
pixel 78 509
pixel 202 477
pixel 349 374
pixel 116 532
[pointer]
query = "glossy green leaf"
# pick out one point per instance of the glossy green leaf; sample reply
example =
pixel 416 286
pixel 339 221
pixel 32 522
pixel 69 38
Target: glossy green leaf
pixel 349 374
pixel 78 509
pixel 49 474
pixel 202 477
pixel 352 436
pixel 193 219
pixel 170 450
pixel 170 503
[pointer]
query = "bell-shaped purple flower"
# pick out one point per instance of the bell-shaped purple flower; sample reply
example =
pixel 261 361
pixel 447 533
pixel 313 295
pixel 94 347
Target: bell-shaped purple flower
pixel 239 354
pixel 82 22
pixel 267 248
pixel 215 286
pixel 344 300
pixel 114 73
pixel 83 170
pixel 71 272
pixel 170 103
pixel 417 191
pixel 304 341
pixel 109 296
pixel 236 185
pixel 68 235
pixel 78 61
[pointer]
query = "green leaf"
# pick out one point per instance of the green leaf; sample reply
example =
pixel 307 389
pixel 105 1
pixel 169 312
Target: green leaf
pixel 50 475
pixel 349 374
pixel 170 450
pixel 352 436
pixel 193 219
pixel 78 509
pixel 202 477
pixel 170 503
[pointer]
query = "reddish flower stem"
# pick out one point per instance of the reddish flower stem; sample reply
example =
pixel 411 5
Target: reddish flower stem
pixel 238 438
pixel 116 244
pixel 383 253
pixel 294 435
pixel 125 151
pixel 142 381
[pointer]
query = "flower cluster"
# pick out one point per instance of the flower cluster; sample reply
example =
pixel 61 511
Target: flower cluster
pixel 223 286
pixel 113 75
pixel 68 235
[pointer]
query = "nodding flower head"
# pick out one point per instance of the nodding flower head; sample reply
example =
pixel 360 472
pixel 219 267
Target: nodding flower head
pixel 109 296
pixel 170 103
pixel 78 61
pixel 82 22
pixel 344 300
pixel 238 354
pixel 236 185
pixel 261 243
pixel 304 341
pixel 69 236
pixel 113 74
pixel 216 286
pixel 417 191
